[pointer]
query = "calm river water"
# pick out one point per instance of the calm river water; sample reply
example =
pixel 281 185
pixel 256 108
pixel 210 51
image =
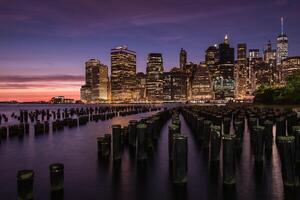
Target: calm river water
pixel 89 178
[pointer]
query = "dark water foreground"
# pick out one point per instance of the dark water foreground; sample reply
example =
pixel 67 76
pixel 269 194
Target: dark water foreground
pixel 88 177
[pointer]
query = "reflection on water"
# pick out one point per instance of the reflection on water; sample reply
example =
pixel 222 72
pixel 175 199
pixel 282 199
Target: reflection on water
pixel 88 176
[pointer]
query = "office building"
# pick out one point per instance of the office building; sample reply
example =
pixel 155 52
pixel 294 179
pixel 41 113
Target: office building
pixel 154 77
pixel 123 74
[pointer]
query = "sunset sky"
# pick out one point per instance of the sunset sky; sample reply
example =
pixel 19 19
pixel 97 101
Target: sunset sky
pixel 44 44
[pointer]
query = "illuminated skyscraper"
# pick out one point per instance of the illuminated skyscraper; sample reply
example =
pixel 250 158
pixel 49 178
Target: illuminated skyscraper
pixel 290 66
pixel 175 85
pixel 253 53
pixel 182 58
pixel 201 84
pixel 123 74
pixel 96 82
pixel 282 45
pixel 270 55
pixel 141 85
pixel 241 71
pixel 154 77
pixel 212 55
pixel 224 84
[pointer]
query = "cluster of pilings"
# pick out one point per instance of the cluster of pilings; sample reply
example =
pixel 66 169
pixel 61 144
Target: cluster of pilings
pixel 42 120
pixel 213 126
pixel 25 183
pixel 3 118
pixel 287 138
pixel 140 137
pixel 223 128
pixel 63 113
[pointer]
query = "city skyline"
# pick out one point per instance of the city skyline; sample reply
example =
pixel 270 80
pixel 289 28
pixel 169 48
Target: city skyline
pixel 31 52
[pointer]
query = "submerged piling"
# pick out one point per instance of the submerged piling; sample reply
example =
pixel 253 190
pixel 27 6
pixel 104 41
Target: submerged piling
pixel 180 159
pixel 116 134
pixel 287 156
pixel 215 143
pixel 228 160
pixel 56 176
pixel 25 184
pixel 141 142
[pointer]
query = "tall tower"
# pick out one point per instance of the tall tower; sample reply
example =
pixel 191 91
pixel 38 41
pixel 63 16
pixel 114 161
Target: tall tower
pixel 282 45
pixel 241 71
pixel 96 82
pixel 182 58
pixel 123 73
pixel 154 77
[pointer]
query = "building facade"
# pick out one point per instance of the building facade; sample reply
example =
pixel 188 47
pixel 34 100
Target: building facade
pixel 123 74
pixel 154 77
pixel 241 67
pixel 96 82
pixel 201 84
pixel 182 58
pixel 290 66
pixel 282 45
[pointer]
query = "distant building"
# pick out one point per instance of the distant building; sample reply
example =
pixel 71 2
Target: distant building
pixel 262 73
pixel 86 94
pixel 253 53
pixel 189 70
pixel 282 45
pixel 212 61
pixel 61 100
pixel 154 77
pixel 212 55
pixel 175 85
pixel 201 84
pixel 123 74
pixel 226 53
pixel 224 85
pixel 182 58
pixel 270 55
pixel 241 67
pixel 290 66
pixel 141 86
pixel 96 82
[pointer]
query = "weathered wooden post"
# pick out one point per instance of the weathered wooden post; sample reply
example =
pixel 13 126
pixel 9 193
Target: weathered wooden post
pixel 25 180
pixel 259 146
pixel 132 132
pixel 173 130
pixel 141 142
pixel 56 176
pixel 287 155
pixel 228 160
pixel 180 159
pixel 215 144
pixel 116 135
pixel 206 133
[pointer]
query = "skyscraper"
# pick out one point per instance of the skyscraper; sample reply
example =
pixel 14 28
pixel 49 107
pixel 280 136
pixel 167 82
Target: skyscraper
pixel 201 84
pixel 241 71
pixel 224 84
pixel 182 58
pixel 253 53
pixel 123 73
pixel 282 45
pixel 154 77
pixel 290 66
pixel 175 85
pixel 270 54
pixel 212 55
pixel 96 82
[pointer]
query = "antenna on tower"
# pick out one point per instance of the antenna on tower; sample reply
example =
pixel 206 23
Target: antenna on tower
pixel 281 25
